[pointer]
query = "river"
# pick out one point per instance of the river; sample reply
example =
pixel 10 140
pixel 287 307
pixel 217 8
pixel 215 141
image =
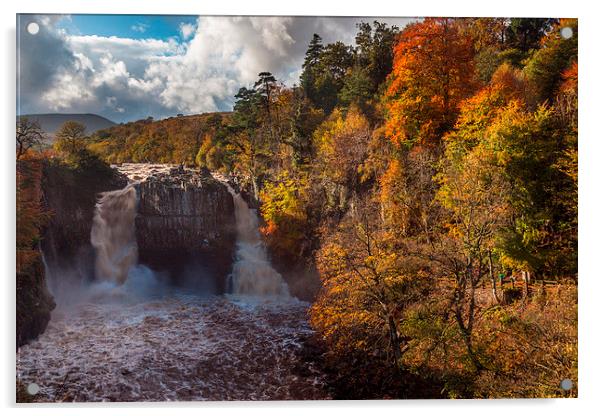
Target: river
pixel 175 346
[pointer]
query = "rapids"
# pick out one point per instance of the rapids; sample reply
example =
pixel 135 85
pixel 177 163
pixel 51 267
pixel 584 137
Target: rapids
pixel 176 346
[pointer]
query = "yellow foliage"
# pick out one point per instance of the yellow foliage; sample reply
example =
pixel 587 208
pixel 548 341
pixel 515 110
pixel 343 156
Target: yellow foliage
pixel 341 143
pixel 283 210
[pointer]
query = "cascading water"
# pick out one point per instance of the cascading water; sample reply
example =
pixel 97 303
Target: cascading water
pixel 113 234
pixel 252 273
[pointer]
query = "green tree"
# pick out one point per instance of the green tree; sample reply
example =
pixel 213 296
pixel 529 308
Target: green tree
pixel 374 51
pixel 324 72
pixel 301 119
pixel 524 33
pixel 547 65
pixel 247 139
pixel 357 89
pixel 265 86
pixel 310 64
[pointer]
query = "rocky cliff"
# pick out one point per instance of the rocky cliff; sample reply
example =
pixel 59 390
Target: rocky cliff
pixel 34 303
pixel 185 224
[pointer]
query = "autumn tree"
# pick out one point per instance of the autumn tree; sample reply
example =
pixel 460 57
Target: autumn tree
pixel 30 215
pixel 366 287
pixel 71 138
pixel 485 32
pixel 546 67
pixel 212 152
pixel 283 208
pixel 474 193
pixel 489 38
pixel 406 192
pixel 341 148
pixel 433 71
pixel 531 149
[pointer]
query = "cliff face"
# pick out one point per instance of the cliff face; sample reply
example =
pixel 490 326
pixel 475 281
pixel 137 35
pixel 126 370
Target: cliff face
pixel 185 224
pixel 70 196
pixel 34 303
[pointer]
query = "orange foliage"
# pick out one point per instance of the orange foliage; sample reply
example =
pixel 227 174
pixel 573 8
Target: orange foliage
pixel 479 111
pixel 570 78
pixel 433 71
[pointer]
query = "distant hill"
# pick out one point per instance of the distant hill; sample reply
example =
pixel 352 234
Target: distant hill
pixel 50 123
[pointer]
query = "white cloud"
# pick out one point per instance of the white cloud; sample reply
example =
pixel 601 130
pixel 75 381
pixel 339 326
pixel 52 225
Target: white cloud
pixel 187 30
pixel 125 78
pixel 70 90
pixel 140 27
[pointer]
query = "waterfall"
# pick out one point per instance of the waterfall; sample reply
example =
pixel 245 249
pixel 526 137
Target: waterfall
pixel 252 273
pixel 113 234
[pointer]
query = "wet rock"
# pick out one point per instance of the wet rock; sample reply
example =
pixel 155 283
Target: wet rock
pixel 34 303
pixel 185 224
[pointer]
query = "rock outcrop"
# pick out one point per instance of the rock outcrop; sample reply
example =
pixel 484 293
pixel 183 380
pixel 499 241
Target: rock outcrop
pixel 34 303
pixel 185 224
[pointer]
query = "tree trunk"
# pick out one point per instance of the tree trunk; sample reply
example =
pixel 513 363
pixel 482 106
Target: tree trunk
pixel 492 277
pixel 473 358
pixel 526 278
pixel 395 342
pixel 467 338
pixel 255 188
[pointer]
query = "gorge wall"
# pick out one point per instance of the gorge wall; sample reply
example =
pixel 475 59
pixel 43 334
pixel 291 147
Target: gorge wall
pixel 34 302
pixel 185 224
pixel 69 197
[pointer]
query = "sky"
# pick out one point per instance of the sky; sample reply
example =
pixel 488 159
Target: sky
pixel 128 67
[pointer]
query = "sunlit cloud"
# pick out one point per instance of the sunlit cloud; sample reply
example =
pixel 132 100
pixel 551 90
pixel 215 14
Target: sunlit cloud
pixel 124 78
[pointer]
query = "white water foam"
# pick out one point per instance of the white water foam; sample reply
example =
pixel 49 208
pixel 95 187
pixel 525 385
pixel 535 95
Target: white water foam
pixel 132 337
pixel 113 234
pixel 252 273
